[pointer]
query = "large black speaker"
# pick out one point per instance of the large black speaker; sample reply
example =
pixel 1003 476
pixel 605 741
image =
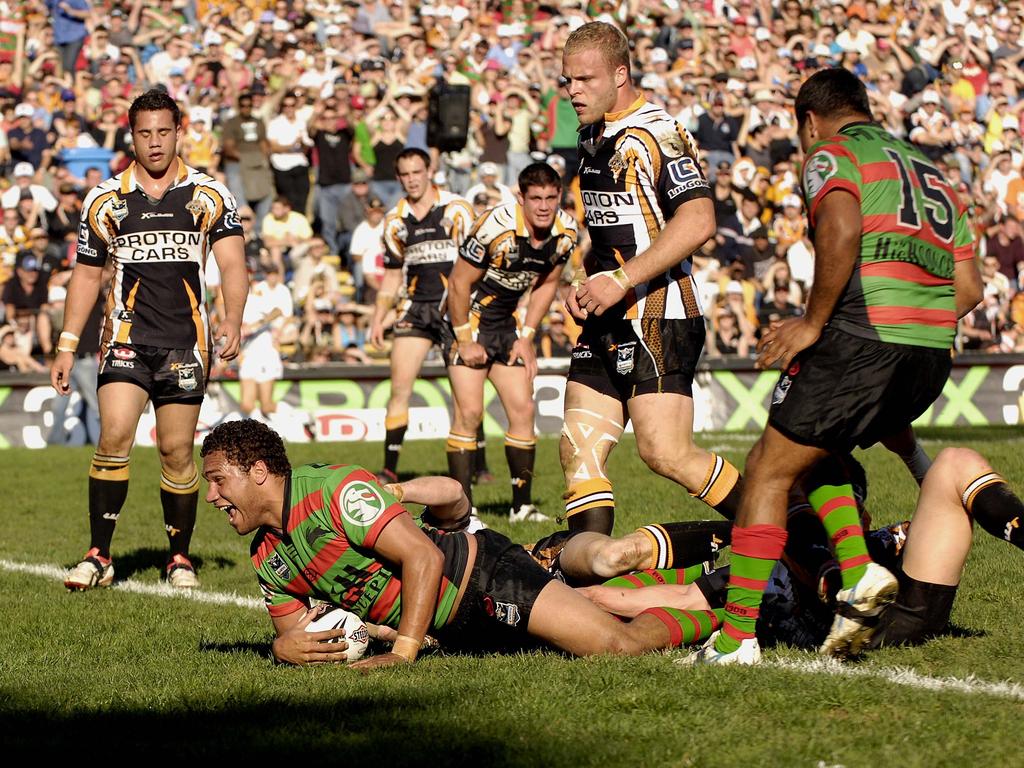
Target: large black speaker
pixel 448 117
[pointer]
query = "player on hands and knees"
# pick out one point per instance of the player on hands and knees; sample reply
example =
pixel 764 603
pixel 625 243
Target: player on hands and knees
pixel 157 222
pixel 512 249
pixel 648 208
pixel 894 269
pixel 332 533
pixel 422 235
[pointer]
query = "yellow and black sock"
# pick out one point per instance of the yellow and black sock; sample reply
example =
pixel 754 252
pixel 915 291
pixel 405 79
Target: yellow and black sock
pixel 108 488
pixel 394 435
pixel 678 545
pixel 995 508
pixel 461 450
pixel 590 506
pixel 179 497
pixel 520 452
pixel 721 487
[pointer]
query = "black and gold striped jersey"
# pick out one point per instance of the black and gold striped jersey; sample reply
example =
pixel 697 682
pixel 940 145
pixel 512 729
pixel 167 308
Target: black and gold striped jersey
pixel 637 167
pixel 425 249
pixel 159 250
pixel 500 244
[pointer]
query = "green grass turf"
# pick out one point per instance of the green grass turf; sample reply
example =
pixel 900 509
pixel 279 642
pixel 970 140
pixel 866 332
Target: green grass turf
pixel 116 675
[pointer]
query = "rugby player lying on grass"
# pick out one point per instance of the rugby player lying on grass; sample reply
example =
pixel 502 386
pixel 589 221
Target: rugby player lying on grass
pixel 332 533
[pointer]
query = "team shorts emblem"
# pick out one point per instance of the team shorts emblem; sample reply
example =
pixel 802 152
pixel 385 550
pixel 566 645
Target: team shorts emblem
pixel 781 390
pixel 616 165
pixel 124 353
pixel 625 362
pixel 507 613
pixel 361 503
pixel 187 379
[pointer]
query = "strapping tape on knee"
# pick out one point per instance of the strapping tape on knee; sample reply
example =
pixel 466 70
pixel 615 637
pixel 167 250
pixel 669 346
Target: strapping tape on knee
pixel 592 436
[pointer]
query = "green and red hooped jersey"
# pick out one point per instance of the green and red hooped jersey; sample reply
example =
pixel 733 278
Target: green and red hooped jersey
pixel 333 516
pixel 914 230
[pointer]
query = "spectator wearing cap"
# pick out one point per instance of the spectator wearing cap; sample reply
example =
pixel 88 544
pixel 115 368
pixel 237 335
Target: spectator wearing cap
pixel 780 307
pixel 932 131
pixel 554 341
pixel 245 151
pixel 490 184
pixel 855 38
pixel 69 29
pixel 717 134
pixel 367 252
pixel 26 141
pixel 25 188
pixel 289 142
pixel 282 230
pixel 731 332
pixel 120 30
pixel 757 255
pixel 176 57
pixel 790 226
pixel 313 265
pixel 200 147
pixel 27 294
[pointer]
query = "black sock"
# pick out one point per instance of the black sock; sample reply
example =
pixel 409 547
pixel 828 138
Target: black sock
pixel 108 488
pixel 480 457
pixel 680 545
pixel 728 506
pixel 999 511
pixel 520 455
pixel 921 611
pixel 179 498
pixel 393 439
pixel 596 519
pixel 461 451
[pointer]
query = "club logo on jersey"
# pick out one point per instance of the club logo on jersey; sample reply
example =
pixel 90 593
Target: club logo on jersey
pixel 361 503
pixel 617 165
pixel 118 211
pixel 279 566
pixel 124 353
pixel 197 208
pixel 187 379
pixel 818 170
pixel 624 362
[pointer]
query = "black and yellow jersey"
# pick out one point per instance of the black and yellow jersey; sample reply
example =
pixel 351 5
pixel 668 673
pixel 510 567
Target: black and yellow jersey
pixel 637 167
pixel 426 248
pixel 159 250
pixel 500 244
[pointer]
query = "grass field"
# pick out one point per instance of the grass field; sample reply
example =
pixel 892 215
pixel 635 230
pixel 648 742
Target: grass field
pixel 129 672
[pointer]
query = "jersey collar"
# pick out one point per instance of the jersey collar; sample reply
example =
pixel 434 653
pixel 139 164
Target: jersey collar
pixel 614 117
pixel 286 505
pixel 129 183
pixel 521 230
pixel 857 123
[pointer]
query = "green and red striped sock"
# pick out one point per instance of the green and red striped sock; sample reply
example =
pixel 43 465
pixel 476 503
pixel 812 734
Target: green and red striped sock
pixel 687 627
pixel 651 577
pixel 755 550
pixel 837 510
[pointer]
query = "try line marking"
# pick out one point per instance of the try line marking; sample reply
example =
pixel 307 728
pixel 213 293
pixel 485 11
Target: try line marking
pixel 57 573
pixel 817 666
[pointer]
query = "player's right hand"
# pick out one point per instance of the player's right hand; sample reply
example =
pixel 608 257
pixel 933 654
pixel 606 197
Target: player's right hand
pixel 472 354
pixel 377 335
pixel 60 372
pixel 297 646
pixel 572 306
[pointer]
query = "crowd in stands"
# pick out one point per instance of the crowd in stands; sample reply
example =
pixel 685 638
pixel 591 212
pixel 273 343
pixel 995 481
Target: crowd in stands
pixel 300 107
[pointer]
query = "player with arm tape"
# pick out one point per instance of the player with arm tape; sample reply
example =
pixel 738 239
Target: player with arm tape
pixel 648 208
pixel 894 258
pixel 511 249
pixel 157 222
pixel 422 235
pixel 332 533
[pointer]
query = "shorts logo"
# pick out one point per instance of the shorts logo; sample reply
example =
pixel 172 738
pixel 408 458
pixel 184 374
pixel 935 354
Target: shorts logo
pixel 781 390
pixel 279 566
pixel 625 362
pixel 819 169
pixel 124 353
pixel 507 613
pixel 361 504
pixel 794 369
pixel 582 353
pixel 122 363
pixel 187 379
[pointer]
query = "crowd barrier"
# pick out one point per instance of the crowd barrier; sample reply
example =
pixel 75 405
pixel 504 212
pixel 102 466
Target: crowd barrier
pixel 345 403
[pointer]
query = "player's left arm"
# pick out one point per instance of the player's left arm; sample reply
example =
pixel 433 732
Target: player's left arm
pixel 230 255
pixel 420 563
pixel 836 249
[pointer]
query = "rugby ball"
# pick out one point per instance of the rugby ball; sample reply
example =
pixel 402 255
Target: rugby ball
pixel 356 634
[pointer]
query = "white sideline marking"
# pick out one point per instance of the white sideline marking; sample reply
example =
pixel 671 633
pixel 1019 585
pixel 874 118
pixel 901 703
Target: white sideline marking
pixel 57 573
pixel 903 676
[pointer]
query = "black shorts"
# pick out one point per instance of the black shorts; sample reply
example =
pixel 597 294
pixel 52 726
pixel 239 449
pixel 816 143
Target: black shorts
pixel 548 551
pixel 846 391
pixel 627 358
pixel 496 339
pixel 419 320
pixel 167 375
pixel 494 613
